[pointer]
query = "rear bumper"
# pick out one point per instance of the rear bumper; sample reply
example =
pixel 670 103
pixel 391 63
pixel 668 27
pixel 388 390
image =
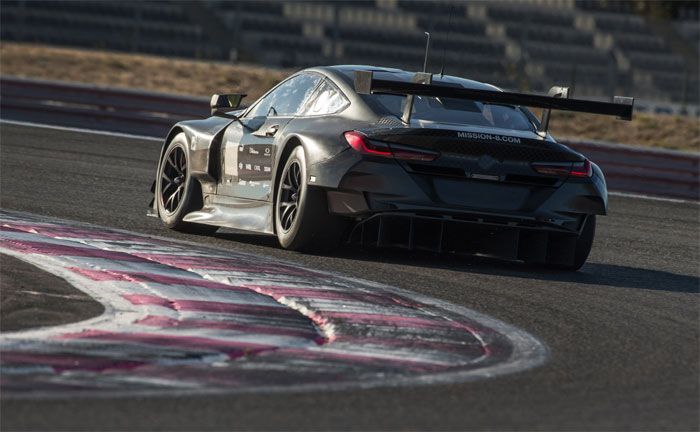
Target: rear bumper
pixel 361 186
pixel 504 238
pixel 395 207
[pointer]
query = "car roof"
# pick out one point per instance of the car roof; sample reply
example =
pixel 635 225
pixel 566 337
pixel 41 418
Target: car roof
pixel 401 75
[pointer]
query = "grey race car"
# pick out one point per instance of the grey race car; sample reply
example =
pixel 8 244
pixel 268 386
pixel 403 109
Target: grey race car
pixel 386 157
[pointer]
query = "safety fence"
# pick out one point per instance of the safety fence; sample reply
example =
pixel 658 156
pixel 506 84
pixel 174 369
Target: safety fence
pixel 627 168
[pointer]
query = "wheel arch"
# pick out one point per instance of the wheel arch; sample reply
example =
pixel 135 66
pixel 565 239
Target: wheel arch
pixel 197 181
pixel 174 131
pixel 290 144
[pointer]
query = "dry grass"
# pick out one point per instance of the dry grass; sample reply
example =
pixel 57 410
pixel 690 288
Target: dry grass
pixel 176 76
pixel 200 78
pixel 665 131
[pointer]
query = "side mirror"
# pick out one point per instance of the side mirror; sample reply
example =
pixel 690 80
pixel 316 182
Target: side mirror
pixel 227 102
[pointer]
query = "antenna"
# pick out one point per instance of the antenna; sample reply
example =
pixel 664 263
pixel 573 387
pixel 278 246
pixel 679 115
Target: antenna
pixel 427 48
pixel 447 40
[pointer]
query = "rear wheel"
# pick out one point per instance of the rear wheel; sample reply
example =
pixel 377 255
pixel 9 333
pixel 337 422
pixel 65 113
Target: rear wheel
pixel 582 248
pixel 176 192
pixel 302 221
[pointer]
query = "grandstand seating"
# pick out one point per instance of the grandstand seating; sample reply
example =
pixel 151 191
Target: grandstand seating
pixel 689 30
pixel 150 27
pixel 600 47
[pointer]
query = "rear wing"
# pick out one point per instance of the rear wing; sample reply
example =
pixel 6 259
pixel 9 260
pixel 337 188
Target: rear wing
pixel 422 85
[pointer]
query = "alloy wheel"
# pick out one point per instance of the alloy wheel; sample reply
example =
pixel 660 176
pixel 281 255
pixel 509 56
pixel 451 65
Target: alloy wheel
pixel 290 195
pixel 173 177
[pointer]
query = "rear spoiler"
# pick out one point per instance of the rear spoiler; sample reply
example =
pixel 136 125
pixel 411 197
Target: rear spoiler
pixel 421 85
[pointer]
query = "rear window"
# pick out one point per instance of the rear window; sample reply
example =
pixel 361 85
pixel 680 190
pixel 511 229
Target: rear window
pixel 457 111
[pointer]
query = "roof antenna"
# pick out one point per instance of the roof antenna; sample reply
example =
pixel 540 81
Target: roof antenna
pixel 447 40
pixel 427 47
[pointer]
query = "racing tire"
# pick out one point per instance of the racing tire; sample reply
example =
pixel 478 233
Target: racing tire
pixel 176 192
pixel 584 243
pixel 302 220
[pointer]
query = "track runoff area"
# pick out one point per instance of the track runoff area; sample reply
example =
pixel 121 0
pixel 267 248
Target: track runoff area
pixel 184 318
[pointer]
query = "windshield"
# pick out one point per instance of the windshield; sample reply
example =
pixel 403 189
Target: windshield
pixel 461 111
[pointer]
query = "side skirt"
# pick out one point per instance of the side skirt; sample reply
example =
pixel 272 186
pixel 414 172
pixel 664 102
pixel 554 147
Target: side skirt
pixel 237 213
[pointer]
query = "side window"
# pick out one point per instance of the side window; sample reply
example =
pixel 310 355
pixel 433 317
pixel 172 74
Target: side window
pixel 327 99
pixel 288 97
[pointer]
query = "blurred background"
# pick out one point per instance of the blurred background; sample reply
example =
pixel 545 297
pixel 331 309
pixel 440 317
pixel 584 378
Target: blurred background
pixel 646 49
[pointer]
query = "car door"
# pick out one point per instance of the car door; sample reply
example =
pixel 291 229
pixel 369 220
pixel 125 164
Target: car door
pixel 249 147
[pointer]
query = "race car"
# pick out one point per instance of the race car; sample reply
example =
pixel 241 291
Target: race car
pixel 388 158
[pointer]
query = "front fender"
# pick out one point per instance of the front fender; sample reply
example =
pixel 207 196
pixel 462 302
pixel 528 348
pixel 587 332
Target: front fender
pixel 203 143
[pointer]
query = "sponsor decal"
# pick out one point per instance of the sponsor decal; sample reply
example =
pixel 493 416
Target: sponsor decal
pixel 185 318
pixel 489 137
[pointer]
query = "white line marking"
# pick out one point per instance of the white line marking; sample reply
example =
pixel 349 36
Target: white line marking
pixel 149 138
pixel 81 130
pixel 652 198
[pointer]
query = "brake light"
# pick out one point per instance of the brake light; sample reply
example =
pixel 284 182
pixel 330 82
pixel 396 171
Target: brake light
pixel 362 144
pixel 581 169
pixel 566 169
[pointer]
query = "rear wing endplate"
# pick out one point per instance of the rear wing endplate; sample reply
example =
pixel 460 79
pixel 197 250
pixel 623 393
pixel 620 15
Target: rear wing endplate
pixel 365 83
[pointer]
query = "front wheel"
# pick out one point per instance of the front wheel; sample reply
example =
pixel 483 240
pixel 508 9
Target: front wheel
pixel 302 220
pixel 176 192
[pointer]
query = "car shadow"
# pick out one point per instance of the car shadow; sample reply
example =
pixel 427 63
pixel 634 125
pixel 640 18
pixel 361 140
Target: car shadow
pixel 592 273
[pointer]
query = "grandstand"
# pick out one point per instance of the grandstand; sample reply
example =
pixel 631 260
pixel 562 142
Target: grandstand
pixel 600 48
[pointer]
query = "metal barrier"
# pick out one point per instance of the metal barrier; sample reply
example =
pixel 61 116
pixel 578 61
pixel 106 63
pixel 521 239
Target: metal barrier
pixel 644 170
pixel 93 107
pixel 627 168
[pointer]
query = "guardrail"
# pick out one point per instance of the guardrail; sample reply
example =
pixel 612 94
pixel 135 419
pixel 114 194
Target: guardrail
pixel 644 170
pixel 93 107
pixel 627 168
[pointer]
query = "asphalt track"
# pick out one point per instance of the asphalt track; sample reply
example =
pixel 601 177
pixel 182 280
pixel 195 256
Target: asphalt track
pixel 30 298
pixel 622 333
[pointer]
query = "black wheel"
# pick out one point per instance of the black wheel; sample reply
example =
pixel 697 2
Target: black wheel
pixel 176 192
pixel 584 243
pixel 302 221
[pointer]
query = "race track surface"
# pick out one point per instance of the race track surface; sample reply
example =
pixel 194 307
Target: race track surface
pixel 31 298
pixel 622 333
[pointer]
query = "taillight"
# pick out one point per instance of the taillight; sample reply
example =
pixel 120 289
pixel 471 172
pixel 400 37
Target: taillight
pixel 581 169
pixel 362 144
pixel 565 169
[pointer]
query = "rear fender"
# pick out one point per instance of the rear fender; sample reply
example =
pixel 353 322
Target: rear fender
pixel 322 140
